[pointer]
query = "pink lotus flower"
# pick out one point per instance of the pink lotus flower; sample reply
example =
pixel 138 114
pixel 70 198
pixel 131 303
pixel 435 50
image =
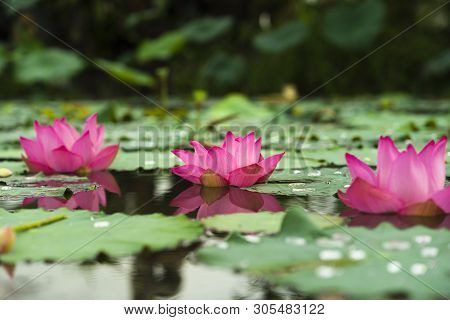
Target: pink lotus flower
pixel 406 182
pixel 214 201
pixel 238 162
pixel 88 200
pixel 60 148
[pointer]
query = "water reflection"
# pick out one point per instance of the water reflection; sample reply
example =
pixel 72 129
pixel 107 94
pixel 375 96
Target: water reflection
pixel 359 219
pixel 212 201
pixel 90 200
pixel 157 275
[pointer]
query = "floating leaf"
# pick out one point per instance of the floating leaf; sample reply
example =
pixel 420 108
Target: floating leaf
pixel 317 182
pixel 313 260
pixel 83 235
pixel 18 188
pixel 267 222
pixel 285 37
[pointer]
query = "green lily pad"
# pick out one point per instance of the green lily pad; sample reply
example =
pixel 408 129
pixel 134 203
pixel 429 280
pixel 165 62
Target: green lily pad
pixel 317 182
pixel 315 260
pixel 83 235
pixel 267 222
pixel 20 187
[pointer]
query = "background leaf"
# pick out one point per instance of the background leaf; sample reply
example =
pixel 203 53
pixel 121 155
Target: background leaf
pixel 161 48
pixel 127 74
pixel 207 28
pixel 51 65
pixel 282 38
pixel 354 25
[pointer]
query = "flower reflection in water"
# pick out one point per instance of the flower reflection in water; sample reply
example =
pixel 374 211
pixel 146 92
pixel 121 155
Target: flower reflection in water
pixel 226 200
pixel 360 219
pixel 88 200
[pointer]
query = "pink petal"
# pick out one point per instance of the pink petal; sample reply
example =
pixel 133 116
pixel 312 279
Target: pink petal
pixel 91 126
pixel 84 148
pixel 246 176
pixel 409 178
pixel 359 169
pixel 33 150
pixel 230 144
pixel 365 197
pixel 433 157
pixel 65 132
pixel 104 158
pixel 269 164
pixel 52 203
pixel 220 161
pixel 188 172
pixel 187 157
pixel 38 167
pixel 201 154
pixel 47 137
pixel 63 160
pixel 248 151
pixel 387 153
pixel 442 199
pixel 100 137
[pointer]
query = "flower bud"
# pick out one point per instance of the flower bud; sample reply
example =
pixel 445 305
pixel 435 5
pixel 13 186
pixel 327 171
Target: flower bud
pixel 7 239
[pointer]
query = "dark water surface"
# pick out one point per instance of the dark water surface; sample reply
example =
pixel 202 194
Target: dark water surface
pixel 170 274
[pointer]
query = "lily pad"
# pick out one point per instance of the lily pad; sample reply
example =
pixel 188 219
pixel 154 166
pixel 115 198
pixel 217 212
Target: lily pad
pixel 20 187
pixel 83 235
pixel 267 222
pixel 317 182
pixel 314 260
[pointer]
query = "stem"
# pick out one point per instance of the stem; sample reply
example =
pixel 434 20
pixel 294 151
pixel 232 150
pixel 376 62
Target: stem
pixel 39 223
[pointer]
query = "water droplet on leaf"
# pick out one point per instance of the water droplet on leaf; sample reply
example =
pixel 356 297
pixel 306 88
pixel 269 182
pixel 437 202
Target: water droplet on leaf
pixel 394 267
pixel 429 252
pixel 396 245
pixel 328 255
pixel 325 272
pixel 418 269
pixel 296 241
pixel 101 224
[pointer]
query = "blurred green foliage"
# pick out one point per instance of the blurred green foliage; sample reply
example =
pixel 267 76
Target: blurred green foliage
pixel 255 47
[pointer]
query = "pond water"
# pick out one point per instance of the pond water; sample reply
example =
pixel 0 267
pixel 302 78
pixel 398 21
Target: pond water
pixel 170 274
